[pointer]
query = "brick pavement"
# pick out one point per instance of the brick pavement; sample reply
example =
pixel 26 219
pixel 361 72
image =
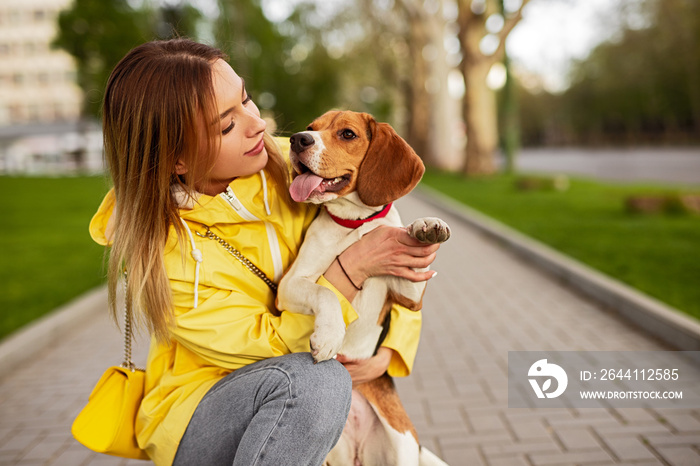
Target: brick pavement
pixel 486 302
pixel 483 303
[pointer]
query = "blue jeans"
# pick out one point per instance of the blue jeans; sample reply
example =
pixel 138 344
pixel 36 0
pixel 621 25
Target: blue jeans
pixel 279 411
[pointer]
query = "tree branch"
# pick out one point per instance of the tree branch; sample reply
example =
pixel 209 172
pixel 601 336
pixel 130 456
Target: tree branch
pixel 510 23
pixel 464 12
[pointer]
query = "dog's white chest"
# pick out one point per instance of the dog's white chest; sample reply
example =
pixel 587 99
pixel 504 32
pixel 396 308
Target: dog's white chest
pixel 362 335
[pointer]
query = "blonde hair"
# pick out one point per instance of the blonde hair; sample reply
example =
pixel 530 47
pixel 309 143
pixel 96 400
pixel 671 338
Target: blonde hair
pixel 154 99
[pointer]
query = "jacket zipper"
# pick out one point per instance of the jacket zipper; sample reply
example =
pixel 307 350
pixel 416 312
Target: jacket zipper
pixel 273 241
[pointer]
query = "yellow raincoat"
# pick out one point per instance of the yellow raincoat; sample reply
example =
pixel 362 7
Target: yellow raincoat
pixel 225 322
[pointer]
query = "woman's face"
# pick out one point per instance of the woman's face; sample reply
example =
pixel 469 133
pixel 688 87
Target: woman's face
pixel 241 151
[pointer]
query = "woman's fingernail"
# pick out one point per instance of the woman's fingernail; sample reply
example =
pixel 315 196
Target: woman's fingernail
pixel 434 274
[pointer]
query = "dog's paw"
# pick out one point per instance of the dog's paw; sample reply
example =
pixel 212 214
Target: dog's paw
pixel 429 230
pixel 327 339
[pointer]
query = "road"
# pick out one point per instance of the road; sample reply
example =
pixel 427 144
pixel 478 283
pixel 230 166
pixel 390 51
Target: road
pixel 664 165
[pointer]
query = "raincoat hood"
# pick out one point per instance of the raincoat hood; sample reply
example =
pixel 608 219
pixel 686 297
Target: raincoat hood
pixel 196 207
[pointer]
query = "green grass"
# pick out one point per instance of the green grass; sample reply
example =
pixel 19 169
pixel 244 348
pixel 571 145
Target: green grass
pixel 655 253
pixel 48 257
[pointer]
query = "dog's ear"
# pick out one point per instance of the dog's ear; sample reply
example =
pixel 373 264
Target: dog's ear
pixel 390 169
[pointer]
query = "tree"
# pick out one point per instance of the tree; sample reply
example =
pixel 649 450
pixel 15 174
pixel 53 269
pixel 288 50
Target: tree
pixel 176 20
pixel 428 130
pixel 508 112
pixel 287 70
pixel 418 105
pixel 311 62
pixel 479 104
pixel 373 79
pixel 98 33
pixel 641 86
pixel 398 70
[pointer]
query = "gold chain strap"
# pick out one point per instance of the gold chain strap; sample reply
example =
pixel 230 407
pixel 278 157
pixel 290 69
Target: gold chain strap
pixel 128 334
pixel 241 258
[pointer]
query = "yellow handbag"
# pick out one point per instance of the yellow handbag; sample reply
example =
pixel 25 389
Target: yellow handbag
pixel 106 423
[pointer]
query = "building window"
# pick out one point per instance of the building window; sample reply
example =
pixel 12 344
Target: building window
pixel 4 115
pixel 33 111
pixel 39 15
pixel 16 113
pixel 15 16
pixel 58 112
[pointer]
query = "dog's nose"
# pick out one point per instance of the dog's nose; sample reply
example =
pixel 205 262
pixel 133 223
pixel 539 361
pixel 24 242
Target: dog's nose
pixel 301 142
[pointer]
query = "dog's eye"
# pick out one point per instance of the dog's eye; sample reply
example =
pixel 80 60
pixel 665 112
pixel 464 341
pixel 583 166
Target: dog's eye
pixel 309 128
pixel 347 134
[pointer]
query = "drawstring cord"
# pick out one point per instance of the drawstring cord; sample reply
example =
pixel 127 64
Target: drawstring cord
pixel 197 256
pixel 264 183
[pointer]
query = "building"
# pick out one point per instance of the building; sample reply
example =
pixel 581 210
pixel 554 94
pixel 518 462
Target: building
pixel 37 82
pixel 41 131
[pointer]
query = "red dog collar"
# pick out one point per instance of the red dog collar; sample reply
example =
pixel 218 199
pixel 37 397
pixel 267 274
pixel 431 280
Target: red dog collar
pixel 356 223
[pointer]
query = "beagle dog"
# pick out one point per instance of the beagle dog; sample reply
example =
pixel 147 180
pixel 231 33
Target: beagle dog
pixel 356 167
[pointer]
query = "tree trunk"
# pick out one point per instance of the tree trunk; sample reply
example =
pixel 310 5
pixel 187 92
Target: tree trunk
pixel 510 123
pixel 481 120
pixel 418 100
pixel 428 112
pixel 479 106
pixel 445 110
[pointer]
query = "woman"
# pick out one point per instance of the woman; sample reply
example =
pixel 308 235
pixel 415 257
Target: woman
pixel 229 379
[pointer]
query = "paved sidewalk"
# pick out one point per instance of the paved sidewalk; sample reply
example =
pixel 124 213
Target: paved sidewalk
pixel 483 303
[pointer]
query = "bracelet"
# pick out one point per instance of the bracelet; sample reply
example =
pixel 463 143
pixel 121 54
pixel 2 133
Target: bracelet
pixel 346 273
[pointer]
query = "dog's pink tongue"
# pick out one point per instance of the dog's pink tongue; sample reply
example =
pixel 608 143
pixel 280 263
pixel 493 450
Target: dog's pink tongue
pixel 303 185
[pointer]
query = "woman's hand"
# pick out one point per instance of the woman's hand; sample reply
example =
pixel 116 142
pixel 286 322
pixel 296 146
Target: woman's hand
pixel 383 251
pixel 388 251
pixel 366 370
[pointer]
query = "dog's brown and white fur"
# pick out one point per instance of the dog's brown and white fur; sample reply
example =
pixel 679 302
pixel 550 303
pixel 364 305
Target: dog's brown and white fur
pixel 355 166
